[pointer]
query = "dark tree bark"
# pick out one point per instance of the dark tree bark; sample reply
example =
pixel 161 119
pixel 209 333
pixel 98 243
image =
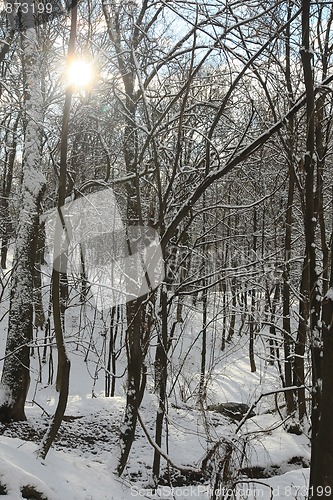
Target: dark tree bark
pixel 6 189
pixel 322 460
pixel 321 472
pixel 287 338
pixel 110 373
pixel 273 304
pixel 40 318
pixel 161 374
pixel 312 290
pixel 253 301
pixel 299 374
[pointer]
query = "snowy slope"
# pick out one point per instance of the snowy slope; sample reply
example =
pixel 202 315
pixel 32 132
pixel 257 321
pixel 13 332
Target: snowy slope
pixel 81 463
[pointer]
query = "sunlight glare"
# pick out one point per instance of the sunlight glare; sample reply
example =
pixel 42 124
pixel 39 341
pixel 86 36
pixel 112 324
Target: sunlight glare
pixel 80 73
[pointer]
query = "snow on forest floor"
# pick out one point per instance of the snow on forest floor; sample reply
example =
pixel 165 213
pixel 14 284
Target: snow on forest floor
pixel 81 462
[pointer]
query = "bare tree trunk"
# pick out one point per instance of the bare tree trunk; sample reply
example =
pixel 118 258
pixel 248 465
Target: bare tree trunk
pixel 135 313
pixel 202 391
pixel 321 476
pixel 161 374
pixel 63 369
pixel 15 375
pixel 6 189
pixel 136 380
pixel 253 301
pixel 232 324
pixel 321 472
pixel 287 338
pixel 293 365
pixel 202 394
pixel 309 225
pixel 299 374
pixel 40 318
pixel 223 287
pixel 110 374
pixel 273 345
pixel 322 461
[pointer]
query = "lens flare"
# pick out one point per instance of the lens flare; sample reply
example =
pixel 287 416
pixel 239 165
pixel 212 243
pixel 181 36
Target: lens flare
pixel 80 73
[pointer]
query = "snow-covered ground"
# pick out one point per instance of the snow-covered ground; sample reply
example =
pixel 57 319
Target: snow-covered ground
pixel 82 461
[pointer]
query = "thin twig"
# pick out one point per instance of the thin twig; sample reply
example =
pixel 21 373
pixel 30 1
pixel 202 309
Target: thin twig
pixel 270 393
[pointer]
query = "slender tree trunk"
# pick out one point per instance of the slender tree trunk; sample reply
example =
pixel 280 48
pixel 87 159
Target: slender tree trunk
pixel 298 359
pixel 251 342
pixel 287 338
pixel 110 374
pixel 299 374
pixel 63 369
pixel 6 189
pixel 204 312
pixel 38 298
pixel 223 287
pixel 233 309
pixel 202 392
pixel 273 346
pixel 253 301
pixel 161 374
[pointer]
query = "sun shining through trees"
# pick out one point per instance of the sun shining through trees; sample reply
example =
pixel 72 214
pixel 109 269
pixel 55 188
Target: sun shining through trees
pixel 80 73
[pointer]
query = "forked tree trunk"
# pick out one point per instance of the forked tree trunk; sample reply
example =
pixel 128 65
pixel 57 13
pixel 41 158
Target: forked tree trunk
pixel 134 310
